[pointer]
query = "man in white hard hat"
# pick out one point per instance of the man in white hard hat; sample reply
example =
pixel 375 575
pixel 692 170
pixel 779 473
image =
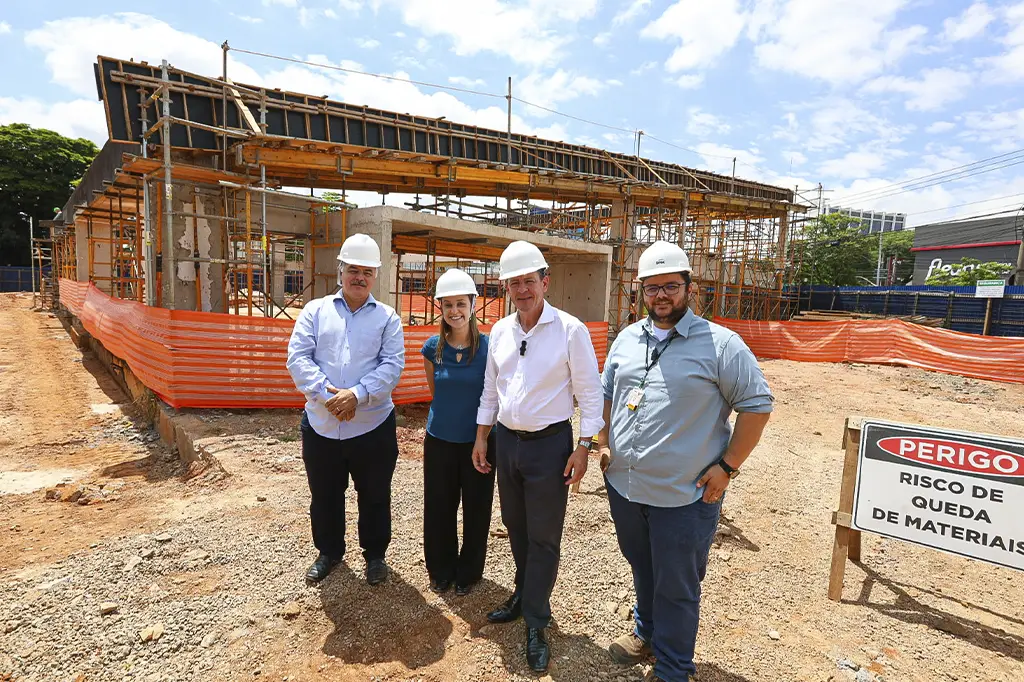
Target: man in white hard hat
pixel 668 453
pixel 345 355
pixel 539 358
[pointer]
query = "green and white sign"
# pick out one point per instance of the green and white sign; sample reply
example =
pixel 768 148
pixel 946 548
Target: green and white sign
pixel 989 288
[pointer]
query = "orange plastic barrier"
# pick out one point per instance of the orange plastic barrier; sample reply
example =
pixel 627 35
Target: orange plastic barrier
pixel 209 360
pixel 419 306
pixel 886 342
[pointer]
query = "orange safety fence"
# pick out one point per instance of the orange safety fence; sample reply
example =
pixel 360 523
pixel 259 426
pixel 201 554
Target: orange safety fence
pixel 886 342
pixel 211 360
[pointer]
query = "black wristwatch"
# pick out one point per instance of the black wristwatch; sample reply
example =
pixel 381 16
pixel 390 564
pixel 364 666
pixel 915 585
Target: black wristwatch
pixel 732 471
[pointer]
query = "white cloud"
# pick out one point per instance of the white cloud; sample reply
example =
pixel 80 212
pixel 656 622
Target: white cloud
pixel 704 30
pixel 308 16
pixel 630 12
pixel 560 86
pixel 831 123
pixel 703 124
pixel 935 88
pixel 718 158
pixel 466 82
pixel 71 45
pixel 531 32
pixel 940 127
pixel 350 5
pixel 689 81
pixel 247 19
pixel 4 27
pixel 847 41
pixel 77 118
pixel 330 13
pixel 794 158
pixel 856 164
pixel 422 44
pixel 367 43
pixel 602 39
pixel 970 24
pixel 282 3
pixel 646 66
pixel 1008 67
pixel 1003 130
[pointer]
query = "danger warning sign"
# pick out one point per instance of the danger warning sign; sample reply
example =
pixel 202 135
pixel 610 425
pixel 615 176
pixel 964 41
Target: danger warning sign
pixel 950 490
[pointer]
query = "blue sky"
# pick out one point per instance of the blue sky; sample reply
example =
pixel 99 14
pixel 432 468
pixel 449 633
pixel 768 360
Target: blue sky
pixel 854 94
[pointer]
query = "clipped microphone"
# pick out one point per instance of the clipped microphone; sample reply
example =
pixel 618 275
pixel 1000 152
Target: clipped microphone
pixel 522 348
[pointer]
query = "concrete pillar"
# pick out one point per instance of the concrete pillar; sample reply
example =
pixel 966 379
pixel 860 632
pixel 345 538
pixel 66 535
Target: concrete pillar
pixel 277 267
pixel 580 285
pixel 178 247
pixel 81 250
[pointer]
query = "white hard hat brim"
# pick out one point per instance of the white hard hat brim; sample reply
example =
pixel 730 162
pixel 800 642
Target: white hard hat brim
pixel 360 262
pixel 458 292
pixel 663 270
pixel 520 272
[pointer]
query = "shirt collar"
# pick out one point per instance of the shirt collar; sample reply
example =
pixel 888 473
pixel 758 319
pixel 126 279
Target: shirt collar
pixel 370 301
pixel 682 326
pixel 547 314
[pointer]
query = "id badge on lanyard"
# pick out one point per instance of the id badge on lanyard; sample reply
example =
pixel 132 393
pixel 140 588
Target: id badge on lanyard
pixel 636 394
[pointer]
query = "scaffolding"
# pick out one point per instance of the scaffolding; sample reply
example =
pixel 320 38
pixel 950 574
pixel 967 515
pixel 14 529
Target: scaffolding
pixel 210 149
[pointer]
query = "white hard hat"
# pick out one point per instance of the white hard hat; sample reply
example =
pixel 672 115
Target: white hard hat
pixel 454 282
pixel 662 258
pixel 361 250
pixel 520 258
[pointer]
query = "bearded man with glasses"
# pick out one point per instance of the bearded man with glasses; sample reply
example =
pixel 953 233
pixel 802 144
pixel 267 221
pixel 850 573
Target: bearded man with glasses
pixel 668 454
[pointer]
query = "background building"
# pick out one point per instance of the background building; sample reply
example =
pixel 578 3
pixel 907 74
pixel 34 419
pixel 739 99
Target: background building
pixel 874 221
pixel 941 246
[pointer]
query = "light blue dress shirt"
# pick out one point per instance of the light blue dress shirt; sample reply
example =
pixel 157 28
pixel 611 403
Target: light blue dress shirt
pixel 361 350
pixel 681 426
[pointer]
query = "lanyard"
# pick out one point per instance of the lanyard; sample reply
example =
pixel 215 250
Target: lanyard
pixel 651 360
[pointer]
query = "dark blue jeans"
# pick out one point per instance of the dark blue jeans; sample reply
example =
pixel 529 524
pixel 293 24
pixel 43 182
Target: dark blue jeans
pixel 667 547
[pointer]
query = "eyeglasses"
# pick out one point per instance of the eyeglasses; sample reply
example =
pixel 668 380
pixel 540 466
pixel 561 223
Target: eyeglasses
pixel 670 289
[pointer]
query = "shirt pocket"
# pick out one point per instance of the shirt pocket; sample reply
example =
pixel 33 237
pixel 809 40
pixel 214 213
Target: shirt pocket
pixel 365 342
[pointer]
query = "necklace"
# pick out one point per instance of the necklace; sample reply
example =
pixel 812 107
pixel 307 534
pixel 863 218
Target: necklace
pixel 458 350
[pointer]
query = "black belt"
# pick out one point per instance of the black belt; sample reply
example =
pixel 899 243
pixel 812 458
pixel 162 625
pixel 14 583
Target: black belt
pixel 549 430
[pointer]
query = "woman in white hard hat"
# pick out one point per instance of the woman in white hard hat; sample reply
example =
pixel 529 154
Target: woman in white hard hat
pixel 455 361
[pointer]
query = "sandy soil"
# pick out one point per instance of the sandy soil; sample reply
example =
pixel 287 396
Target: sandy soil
pixel 215 561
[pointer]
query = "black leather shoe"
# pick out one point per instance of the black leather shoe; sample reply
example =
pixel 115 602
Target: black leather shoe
pixel 321 568
pixel 463 590
pixel 538 653
pixel 376 571
pixel 440 586
pixel 507 612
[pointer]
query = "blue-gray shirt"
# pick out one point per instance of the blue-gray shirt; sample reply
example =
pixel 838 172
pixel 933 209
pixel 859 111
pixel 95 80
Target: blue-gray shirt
pixel 361 350
pixel 681 426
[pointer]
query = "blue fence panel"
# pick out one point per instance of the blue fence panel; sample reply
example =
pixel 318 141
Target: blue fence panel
pixel 957 306
pixel 15 278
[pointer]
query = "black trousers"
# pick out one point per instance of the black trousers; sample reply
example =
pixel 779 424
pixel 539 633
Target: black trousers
pixel 448 476
pixel 370 459
pixel 533 497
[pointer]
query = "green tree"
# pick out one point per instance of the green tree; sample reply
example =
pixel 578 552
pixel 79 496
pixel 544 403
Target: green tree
pixel 898 245
pixel 38 171
pixel 834 252
pixel 968 271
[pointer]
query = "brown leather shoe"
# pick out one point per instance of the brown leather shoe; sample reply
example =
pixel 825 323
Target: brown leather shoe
pixel 629 649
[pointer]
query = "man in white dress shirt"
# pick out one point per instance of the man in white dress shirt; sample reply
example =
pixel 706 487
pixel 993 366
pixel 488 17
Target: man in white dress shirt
pixel 538 359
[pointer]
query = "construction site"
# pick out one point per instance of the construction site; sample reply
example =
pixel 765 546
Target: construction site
pixel 152 481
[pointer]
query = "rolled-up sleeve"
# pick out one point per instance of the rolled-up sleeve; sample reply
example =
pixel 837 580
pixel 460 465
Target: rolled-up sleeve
pixel 377 385
pixel 741 380
pixel 487 412
pixel 307 375
pixel 608 376
pixel 586 380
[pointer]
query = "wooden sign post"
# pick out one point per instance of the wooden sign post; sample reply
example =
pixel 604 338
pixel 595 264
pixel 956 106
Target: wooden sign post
pixel 847 541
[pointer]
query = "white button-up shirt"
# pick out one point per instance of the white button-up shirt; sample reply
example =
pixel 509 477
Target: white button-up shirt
pixel 531 391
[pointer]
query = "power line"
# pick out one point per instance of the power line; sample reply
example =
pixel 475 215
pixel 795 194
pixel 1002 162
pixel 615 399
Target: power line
pixel 969 203
pixel 939 177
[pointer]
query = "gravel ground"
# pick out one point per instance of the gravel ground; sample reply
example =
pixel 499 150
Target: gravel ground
pixel 175 576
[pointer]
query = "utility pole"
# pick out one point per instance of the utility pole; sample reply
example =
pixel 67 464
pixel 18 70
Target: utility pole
pixel 508 199
pixel 32 257
pixel 878 270
pixel 1018 275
